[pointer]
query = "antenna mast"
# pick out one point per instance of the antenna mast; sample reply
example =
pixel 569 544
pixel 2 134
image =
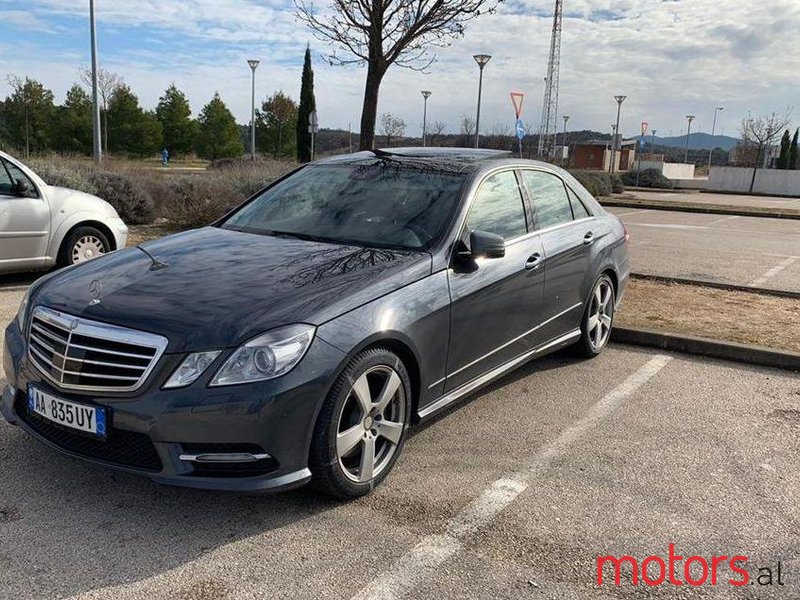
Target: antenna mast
pixel 549 126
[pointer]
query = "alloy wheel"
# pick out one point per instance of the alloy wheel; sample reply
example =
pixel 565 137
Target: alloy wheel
pixel 371 424
pixel 87 248
pixel 601 314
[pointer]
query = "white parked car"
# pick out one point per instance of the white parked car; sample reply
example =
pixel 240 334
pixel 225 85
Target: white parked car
pixel 43 225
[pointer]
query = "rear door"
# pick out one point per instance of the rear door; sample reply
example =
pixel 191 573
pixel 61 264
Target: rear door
pixel 495 301
pixel 24 220
pixel 566 229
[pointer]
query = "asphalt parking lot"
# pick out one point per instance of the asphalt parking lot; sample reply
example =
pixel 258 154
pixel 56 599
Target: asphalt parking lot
pixel 753 251
pixel 512 495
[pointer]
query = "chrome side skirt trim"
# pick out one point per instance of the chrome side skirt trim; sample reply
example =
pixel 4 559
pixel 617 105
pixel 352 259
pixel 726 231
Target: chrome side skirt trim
pixel 493 374
pixel 516 339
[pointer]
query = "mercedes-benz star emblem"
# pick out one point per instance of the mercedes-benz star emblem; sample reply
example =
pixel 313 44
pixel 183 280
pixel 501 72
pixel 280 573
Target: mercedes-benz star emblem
pixel 95 291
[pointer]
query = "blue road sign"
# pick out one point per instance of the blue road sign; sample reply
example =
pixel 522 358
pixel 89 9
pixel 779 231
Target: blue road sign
pixel 520 129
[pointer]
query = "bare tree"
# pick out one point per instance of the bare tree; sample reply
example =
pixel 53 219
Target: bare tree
pixel 382 33
pixel 438 131
pixel 392 126
pixel 107 84
pixel 467 129
pixel 760 132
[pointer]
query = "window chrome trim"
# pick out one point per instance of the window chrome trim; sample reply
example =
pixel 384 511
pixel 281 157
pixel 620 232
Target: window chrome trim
pixel 101 331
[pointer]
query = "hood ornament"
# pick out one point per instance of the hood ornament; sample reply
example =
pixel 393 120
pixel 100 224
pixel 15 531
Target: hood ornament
pixel 95 291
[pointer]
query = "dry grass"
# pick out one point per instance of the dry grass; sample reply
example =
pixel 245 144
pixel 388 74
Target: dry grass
pixel 743 317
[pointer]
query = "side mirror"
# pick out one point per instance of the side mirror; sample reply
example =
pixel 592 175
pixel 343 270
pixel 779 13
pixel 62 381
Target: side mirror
pixel 489 245
pixel 20 187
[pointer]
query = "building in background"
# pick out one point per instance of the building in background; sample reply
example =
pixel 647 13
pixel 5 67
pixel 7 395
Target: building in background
pixel 596 155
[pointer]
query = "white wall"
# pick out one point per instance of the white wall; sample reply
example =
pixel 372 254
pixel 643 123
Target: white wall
pixel 670 170
pixel 768 181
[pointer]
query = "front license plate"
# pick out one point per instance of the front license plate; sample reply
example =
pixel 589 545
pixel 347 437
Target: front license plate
pixel 89 419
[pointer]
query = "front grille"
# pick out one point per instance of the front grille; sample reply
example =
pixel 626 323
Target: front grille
pixel 125 448
pixel 75 353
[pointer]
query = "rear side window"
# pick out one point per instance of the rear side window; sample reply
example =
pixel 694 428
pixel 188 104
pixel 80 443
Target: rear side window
pixel 549 198
pixel 578 208
pixel 498 207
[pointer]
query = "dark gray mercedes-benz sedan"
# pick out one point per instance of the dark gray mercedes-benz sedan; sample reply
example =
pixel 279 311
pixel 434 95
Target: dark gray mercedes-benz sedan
pixel 298 338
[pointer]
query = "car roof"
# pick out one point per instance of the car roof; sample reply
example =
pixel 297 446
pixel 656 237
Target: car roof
pixel 446 159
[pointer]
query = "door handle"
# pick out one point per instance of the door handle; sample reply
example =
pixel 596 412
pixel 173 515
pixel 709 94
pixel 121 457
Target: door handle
pixel 588 238
pixel 534 261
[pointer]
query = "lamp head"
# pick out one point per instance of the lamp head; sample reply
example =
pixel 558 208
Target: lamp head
pixel 253 63
pixel 482 59
pixel 426 94
pixel 620 99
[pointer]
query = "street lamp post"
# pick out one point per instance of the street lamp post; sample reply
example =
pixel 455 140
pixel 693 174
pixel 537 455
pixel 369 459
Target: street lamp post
pixel 564 139
pixel 620 100
pixel 653 144
pixel 253 65
pixel 425 95
pixel 613 137
pixel 98 148
pixel 689 118
pixel 713 131
pixel 481 59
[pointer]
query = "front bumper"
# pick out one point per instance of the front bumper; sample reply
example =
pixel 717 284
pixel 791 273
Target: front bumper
pixel 152 433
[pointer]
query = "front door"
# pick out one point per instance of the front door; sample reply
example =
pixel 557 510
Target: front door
pixel 495 301
pixel 24 220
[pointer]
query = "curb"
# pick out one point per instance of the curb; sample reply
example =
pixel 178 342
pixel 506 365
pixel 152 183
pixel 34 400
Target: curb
pixel 687 344
pixel 730 287
pixel 720 209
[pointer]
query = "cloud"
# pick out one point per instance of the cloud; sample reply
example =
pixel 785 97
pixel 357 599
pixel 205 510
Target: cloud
pixel 669 57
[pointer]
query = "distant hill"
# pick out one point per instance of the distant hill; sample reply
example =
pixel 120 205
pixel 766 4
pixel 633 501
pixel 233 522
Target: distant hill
pixel 697 141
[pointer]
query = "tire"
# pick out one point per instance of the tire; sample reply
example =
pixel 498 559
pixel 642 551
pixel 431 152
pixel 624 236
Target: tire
pixel 372 392
pixel 81 244
pixel 593 342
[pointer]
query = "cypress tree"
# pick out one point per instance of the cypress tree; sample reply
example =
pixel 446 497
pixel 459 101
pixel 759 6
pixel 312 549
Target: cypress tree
pixel 783 159
pixel 307 106
pixel 793 151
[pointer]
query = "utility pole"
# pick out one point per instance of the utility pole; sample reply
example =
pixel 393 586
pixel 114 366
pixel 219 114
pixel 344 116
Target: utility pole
pixel 689 118
pixel 564 140
pixel 619 100
pixel 713 131
pixel 253 65
pixel 653 145
pixel 98 148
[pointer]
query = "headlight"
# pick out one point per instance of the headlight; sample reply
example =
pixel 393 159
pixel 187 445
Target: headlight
pixel 191 368
pixel 23 309
pixel 268 356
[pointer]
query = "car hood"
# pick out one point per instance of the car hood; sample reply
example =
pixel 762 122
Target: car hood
pixel 222 287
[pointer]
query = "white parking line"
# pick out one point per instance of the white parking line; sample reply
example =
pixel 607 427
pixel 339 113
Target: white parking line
pixel 722 220
pixel 635 212
pixel 772 272
pixel 420 563
pixel 667 226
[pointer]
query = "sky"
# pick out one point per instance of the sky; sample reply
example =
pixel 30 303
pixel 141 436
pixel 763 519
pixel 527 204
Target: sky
pixel 669 57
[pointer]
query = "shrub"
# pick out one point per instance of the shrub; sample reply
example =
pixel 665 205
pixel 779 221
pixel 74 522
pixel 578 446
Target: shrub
pixel 598 183
pixel 649 178
pixel 133 203
pixel 197 202
pixel 62 175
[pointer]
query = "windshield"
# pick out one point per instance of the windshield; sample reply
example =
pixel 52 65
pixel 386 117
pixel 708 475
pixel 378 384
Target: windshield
pixel 384 204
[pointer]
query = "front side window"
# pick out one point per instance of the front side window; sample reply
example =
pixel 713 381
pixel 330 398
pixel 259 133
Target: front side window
pixel 549 197
pixel 498 208
pixel 11 177
pixel 381 203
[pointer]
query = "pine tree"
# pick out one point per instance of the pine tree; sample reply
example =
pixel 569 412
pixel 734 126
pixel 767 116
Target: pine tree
pixel 218 135
pixel 132 130
pixel 783 159
pixel 175 115
pixel 74 123
pixel 793 151
pixel 29 112
pixel 307 106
